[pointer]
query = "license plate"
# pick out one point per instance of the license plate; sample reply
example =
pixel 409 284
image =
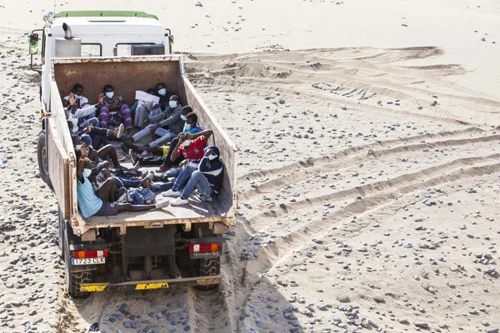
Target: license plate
pixel 204 255
pixel 88 261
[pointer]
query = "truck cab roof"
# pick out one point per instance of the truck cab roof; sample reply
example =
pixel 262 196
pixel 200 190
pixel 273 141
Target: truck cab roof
pixel 104 13
pixel 107 25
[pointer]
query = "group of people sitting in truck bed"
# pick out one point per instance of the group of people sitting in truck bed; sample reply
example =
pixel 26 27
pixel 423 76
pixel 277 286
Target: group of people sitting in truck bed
pixel 179 146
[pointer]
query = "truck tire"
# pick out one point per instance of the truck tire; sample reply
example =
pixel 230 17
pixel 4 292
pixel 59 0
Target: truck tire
pixel 209 267
pixel 43 159
pixel 74 279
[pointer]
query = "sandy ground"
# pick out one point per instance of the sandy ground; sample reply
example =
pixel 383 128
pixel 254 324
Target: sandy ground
pixel 368 170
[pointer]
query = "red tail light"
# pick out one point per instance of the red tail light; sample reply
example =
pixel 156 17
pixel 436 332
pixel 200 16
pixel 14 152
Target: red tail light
pixel 213 247
pixel 90 254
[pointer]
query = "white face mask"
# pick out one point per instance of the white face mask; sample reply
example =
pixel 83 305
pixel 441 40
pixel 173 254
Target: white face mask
pixel 172 104
pixel 187 143
pixel 87 172
pixel 212 157
pixel 78 96
pixel 187 127
pixel 162 92
pixel 183 117
pixel 110 94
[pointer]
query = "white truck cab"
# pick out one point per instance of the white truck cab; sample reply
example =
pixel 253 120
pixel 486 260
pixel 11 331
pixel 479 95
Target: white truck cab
pixel 96 34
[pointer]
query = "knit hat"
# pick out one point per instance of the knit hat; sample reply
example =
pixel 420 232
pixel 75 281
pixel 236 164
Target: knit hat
pixel 214 149
pixel 87 139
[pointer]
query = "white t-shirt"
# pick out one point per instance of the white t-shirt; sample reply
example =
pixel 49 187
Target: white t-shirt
pixel 85 110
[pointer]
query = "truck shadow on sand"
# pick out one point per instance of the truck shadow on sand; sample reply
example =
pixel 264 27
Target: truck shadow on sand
pixel 254 301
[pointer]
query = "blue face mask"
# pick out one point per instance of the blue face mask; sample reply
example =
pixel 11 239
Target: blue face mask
pixel 187 127
pixel 183 117
pixel 162 92
pixel 172 104
pixel 78 96
pixel 110 94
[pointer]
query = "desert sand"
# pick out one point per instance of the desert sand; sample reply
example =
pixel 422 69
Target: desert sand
pixel 368 171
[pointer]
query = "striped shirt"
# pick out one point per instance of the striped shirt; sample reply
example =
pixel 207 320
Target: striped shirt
pixel 88 202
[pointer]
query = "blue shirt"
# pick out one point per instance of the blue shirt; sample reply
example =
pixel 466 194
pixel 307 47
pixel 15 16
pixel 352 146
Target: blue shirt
pixel 88 202
pixel 192 130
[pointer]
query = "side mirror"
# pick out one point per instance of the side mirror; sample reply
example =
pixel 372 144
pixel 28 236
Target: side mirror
pixel 171 39
pixel 33 49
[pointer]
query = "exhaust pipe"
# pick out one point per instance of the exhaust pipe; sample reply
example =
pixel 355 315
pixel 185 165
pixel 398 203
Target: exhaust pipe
pixel 67 31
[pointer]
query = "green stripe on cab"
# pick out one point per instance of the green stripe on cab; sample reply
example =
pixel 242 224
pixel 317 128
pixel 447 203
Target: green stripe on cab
pixel 104 13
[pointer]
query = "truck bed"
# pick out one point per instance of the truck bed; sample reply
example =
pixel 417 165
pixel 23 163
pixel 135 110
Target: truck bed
pixel 92 73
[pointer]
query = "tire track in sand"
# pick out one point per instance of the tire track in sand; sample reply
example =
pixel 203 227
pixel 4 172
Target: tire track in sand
pixel 286 246
pixel 302 170
pixel 369 190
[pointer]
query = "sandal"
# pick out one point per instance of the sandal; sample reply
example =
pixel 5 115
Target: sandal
pixel 151 176
pixel 133 155
pixel 121 128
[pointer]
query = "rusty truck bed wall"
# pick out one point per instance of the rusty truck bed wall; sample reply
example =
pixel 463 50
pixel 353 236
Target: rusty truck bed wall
pixel 124 74
pixel 127 75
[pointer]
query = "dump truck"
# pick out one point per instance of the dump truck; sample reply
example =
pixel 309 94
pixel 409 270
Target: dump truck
pixel 154 249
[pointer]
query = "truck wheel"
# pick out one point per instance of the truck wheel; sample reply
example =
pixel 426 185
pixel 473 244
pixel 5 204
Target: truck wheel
pixel 74 279
pixel 43 159
pixel 209 267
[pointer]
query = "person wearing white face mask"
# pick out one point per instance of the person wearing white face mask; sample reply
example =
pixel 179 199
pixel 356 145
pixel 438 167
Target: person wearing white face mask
pixel 168 128
pixel 114 111
pixel 78 109
pixel 156 118
pixel 142 117
pixel 191 147
pixel 160 105
pixel 141 155
pixel 103 203
pixel 161 89
pixel 190 127
pixel 207 179
pixel 145 104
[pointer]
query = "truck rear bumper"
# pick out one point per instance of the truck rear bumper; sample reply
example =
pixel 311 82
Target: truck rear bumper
pixel 152 284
